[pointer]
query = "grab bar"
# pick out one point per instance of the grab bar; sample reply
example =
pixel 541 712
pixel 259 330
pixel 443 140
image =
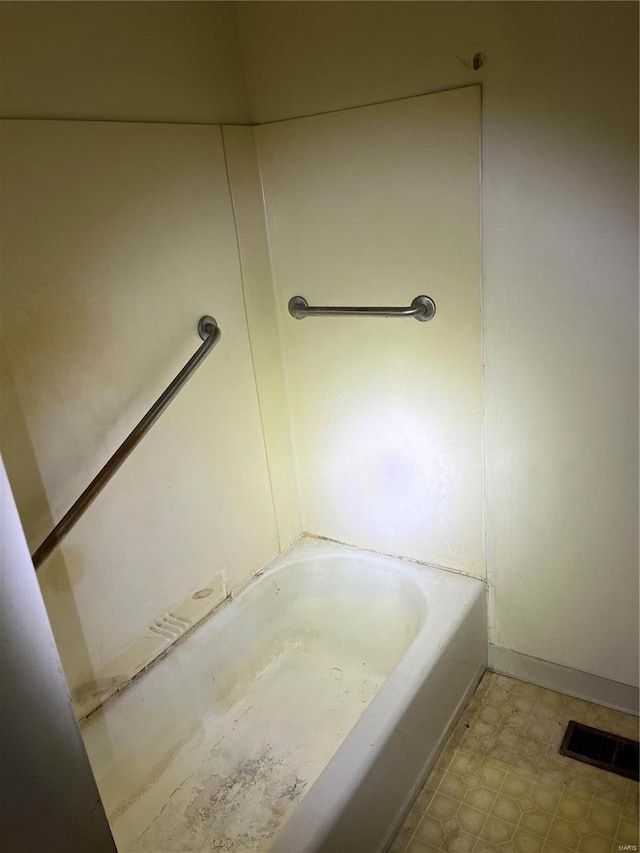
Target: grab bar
pixel 210 333
pixel 422 308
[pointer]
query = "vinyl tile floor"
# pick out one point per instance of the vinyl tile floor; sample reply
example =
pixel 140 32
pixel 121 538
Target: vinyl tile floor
pixel 501 786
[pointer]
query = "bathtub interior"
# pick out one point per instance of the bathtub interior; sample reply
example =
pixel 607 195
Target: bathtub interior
pixel 215 746
pixel 366 610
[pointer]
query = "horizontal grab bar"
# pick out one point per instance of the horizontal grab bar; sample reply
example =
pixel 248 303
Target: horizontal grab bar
pixel 210 333
pixel 422 308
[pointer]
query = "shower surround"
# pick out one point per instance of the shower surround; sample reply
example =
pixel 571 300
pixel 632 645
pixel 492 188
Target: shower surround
pixel 331 701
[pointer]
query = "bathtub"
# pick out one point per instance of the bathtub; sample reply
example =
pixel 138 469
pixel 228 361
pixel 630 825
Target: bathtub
pixel 302 716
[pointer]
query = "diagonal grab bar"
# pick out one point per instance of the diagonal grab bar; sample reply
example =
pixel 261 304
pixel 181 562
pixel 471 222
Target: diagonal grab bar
pixel 422 308
pixel 210 333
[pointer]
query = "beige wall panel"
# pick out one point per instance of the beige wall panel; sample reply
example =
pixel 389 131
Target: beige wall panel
pixel 560 281
pixel 260 303
pixel 372 207
pixel 116 239
pixel 155 61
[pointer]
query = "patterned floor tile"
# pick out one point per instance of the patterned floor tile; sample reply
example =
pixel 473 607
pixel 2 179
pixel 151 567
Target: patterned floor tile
pixel 501 786
pixel 627 834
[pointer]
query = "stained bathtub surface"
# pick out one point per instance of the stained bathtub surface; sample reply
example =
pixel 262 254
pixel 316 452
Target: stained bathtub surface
pixel 214 747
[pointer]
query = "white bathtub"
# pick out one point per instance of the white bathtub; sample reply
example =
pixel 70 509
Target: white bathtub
pixel 301 717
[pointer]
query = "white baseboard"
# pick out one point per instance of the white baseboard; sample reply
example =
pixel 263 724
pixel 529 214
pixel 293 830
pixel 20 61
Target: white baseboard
pixel 573 682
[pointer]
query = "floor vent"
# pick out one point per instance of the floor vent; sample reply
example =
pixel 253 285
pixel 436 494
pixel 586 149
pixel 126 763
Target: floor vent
pixel 601 749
